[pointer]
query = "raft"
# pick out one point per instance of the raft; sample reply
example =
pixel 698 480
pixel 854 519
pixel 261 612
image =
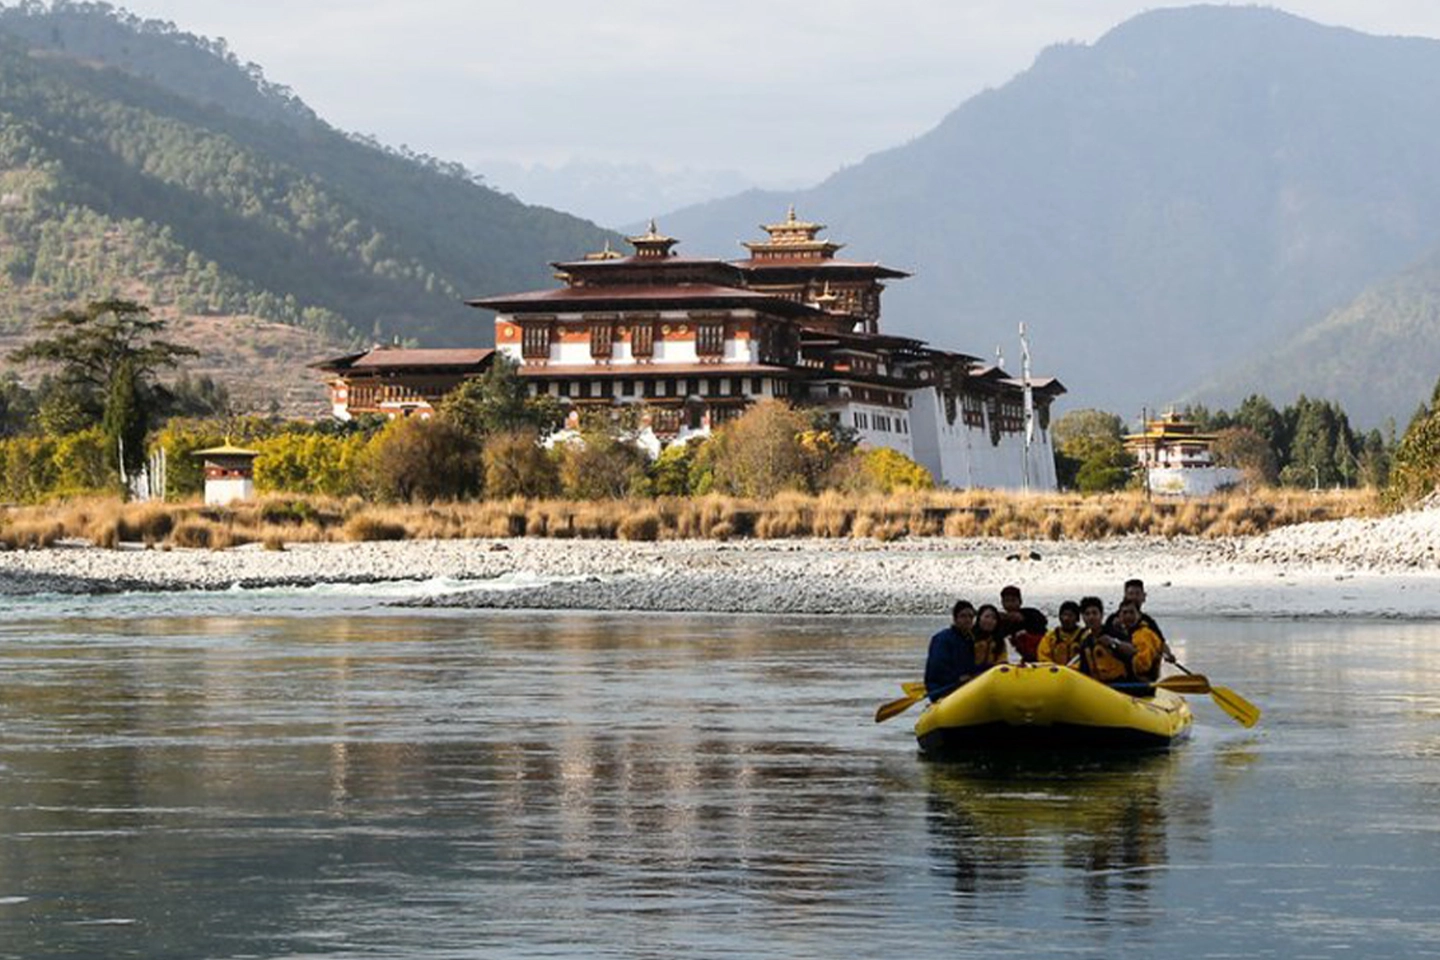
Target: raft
pixel 1044 706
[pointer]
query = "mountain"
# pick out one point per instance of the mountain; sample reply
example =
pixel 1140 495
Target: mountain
pixel 1190 191
pixel 1384 346
pixel 140 161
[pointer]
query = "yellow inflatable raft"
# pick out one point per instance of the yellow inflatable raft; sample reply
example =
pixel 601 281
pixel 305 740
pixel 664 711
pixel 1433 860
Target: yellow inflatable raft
pixel 1044 705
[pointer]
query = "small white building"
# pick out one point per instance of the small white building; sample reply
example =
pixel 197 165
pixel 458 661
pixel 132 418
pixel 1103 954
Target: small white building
pixel 229 474
pixel 1177 458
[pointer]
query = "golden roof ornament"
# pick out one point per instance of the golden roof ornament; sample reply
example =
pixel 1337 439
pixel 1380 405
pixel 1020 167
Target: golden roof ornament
pixel 605 254
pixel 652 244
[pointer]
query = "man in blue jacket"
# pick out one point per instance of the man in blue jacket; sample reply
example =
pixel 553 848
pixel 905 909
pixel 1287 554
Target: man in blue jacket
pixel 952 653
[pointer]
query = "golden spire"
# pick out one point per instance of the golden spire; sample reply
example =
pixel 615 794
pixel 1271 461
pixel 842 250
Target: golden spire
pixel 652 244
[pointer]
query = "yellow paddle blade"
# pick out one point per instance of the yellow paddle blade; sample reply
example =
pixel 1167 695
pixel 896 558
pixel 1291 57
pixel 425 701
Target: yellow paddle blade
pixel 913 688
pixel 896 707
pixel 1243 711
pixel 1194 683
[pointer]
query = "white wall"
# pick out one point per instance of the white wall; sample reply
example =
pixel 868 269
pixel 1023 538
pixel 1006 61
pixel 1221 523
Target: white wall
pixel 1191 481
pixel 228 490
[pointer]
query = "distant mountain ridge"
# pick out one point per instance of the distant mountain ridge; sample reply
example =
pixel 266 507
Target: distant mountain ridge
pixel 1383 346
pixel 141 162
pixel 1195 188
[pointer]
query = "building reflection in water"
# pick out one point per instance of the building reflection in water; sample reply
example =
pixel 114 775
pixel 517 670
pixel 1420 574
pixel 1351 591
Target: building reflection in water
pixel 1101 824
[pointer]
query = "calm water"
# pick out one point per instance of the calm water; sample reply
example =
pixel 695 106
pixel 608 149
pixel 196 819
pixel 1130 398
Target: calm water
pixel 283 775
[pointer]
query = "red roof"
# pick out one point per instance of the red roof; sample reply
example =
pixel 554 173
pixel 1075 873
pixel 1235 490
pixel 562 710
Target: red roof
pixel 628 297
pixel 838 266
pixel 387 358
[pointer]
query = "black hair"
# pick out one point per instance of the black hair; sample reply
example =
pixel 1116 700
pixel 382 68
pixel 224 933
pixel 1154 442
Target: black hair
pixel 1087 602
pixel 1127 603
pixel 1072 606
pixel 1011 589
pixel 961 605
pixel 1135 583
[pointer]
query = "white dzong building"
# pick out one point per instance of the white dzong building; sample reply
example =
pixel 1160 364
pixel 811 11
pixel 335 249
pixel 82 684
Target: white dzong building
pixel 695 341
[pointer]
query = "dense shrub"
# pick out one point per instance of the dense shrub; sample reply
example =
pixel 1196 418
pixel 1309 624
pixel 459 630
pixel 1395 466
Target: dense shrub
pixel 421 461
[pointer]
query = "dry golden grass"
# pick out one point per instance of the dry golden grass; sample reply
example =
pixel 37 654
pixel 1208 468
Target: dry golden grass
pixel 277 521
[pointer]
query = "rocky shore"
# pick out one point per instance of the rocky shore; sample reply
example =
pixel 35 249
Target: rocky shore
pixel 1385 567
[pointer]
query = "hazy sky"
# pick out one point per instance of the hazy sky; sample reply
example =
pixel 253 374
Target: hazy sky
pixel 783 92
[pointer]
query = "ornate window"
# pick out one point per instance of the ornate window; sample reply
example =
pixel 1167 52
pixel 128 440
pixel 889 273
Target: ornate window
pixel 602 337
pixel 973 408
pixel 710 338
pixel 642 338
pixel 535 339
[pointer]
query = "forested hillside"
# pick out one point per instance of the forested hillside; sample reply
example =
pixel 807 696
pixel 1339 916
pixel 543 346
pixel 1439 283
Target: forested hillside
pixel 139 161
pixel 1382 349
pixel 1192 189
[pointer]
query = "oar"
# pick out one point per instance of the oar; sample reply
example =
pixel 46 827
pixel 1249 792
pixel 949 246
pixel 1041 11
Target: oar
pixel 914 692
pixel 1194 683
pixel 1243 711
pixel 896 707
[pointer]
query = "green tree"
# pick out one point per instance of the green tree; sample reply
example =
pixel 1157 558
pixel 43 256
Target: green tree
pixel 672 473
pixel 17 406
pixel 1322 446
pixel 1090 454
pixel 123 424
pixel 1260 415
pixel 92 345
pixel 498 400
pixel 1415 470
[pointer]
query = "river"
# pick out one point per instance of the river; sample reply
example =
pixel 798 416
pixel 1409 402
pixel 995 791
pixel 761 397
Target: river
pixel 307 774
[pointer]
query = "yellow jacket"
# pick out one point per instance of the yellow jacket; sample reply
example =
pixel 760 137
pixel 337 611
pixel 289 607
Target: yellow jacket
pixel 1107 666
pixel 989 650
pixel 1059 646
pixel 1147 652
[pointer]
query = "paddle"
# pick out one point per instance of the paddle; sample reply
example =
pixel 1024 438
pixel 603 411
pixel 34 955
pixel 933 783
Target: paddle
pixel 896 707
pixel 1194 683
pixel 914 692
pixel 1241 710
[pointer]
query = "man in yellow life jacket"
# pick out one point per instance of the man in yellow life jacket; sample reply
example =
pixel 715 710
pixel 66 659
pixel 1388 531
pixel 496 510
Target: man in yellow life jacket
pixel 1110 658
pixel 1147 644
pixel 1062 643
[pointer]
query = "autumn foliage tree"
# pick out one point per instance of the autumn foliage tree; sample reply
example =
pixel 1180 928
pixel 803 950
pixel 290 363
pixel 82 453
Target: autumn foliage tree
pixel 422 461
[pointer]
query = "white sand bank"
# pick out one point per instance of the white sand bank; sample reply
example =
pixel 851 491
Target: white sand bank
pixel 1388 567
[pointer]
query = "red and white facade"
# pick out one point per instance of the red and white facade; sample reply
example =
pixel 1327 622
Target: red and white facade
pixel 695 341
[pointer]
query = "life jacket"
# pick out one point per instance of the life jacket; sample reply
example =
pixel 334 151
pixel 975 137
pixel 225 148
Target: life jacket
pixel 1061 647
pixel 1148 645
pixel 1098 661
pixel 989 649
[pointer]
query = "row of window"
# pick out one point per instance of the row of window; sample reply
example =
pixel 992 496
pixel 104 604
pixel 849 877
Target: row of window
pixel 667 387
pixel 880 423
pixel 535 337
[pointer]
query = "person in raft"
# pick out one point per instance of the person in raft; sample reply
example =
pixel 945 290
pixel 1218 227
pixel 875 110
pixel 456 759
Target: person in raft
pixel 990 633
pixel 1135 592
pixel 1023 627
pixel 1115 659
pixel 1062 644
pixel 951 660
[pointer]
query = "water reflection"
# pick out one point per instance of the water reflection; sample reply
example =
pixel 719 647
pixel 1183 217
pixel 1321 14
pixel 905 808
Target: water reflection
pixel 574 785
pixel 1102 821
